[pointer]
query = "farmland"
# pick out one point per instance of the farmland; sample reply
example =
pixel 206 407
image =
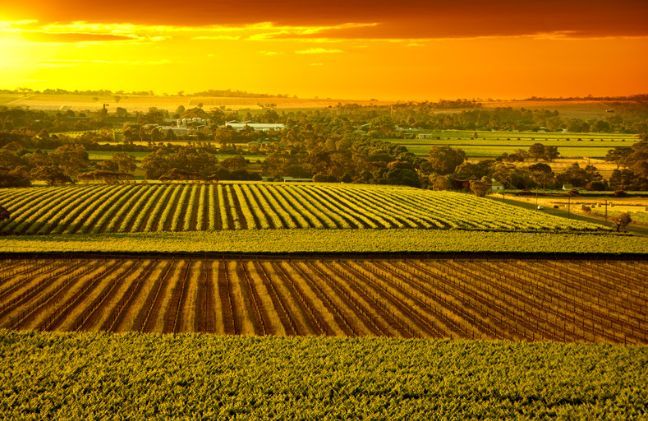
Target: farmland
pixel 330 241
pixel 54 375
pixel 490 144
pixel 251 206
pixel 593 301
pixel 593 206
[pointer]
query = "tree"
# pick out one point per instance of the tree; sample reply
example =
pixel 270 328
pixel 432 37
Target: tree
pixel 402 176
pixel 551 153
pixel 10 160
pixel 579 177
pixel 71 158
pixel 235 163
pixel 121 112
pixel 618 155
pixel 104 166
pixel 475 171
pixel 537 151
pixel 11 179
pixel 513 177
pixel 440 182
pixel 627 180
pixel 52 174
pixel 480 187
pixel 637 160
pixel 541 174
pixel 622 221
pixel 125 163
pixel 186 162
pixel 444 159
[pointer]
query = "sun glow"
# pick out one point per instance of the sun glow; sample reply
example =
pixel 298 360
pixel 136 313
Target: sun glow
pixel 311 60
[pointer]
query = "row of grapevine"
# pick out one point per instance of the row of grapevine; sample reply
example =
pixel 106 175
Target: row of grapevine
pixel 194 207
pixel 486 299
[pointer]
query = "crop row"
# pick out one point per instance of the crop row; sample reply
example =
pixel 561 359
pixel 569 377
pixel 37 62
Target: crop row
pixel 211 207
pixel 594 301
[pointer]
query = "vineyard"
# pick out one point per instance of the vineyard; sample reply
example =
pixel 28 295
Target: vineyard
pixel 142 376
pixel 214 207
pixel 581 300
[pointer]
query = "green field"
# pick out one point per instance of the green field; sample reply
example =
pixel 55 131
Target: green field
pixel 489 144
pixel 180 207
pixel 330 241
pixel 51 375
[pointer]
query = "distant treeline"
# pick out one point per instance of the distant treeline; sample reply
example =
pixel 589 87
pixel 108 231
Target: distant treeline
pixel 637 97
pixel 378 121
pixel 106 92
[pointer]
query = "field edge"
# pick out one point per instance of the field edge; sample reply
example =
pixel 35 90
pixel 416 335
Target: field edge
pixel 269 242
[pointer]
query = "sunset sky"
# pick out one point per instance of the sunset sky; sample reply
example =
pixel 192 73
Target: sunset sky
pixel 406 49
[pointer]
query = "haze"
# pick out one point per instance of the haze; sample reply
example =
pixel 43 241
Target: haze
pixel 398 50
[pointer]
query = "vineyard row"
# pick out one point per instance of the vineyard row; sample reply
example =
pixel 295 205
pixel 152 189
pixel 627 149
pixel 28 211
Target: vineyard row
pixel 211 207
pixel 593 301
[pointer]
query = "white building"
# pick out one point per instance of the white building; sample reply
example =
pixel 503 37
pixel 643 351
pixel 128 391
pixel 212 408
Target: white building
pixel 263 127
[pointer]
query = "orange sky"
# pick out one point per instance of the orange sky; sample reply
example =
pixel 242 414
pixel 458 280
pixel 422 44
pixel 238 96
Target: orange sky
pixel 410 49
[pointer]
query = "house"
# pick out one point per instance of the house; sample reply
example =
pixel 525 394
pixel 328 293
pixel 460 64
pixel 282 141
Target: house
pixel 570 187
pixel 262 127
pixel 426 136
pixel 496 186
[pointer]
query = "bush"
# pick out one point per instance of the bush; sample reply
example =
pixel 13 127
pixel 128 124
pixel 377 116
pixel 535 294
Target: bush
pixel 323 178
pixel 596 186
pixel 13 180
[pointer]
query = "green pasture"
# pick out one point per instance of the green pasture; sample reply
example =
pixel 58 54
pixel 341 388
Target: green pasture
pixel 486 144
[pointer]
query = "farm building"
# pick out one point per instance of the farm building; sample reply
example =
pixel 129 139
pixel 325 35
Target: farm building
pixel 496 186
pixel 263 127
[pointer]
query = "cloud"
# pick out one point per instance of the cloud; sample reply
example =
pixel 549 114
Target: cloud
pixel 403 19
pixel 217 38
pixel 83 31
pixel 319 51
pixel 75 62
pixel 73 37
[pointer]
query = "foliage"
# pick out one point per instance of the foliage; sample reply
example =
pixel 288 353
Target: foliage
pixel 540 151
pixel 184 376
pixel 480 187
pixel 622 221
pixel 444 160
pixel 193 163
pixel 331 241
pixel 311 205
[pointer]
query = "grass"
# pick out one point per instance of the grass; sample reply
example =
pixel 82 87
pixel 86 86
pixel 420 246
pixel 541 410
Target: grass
pixel 493 143
pixel 53 375
pixel 330 241
pixel 495 151
pixel 637 211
